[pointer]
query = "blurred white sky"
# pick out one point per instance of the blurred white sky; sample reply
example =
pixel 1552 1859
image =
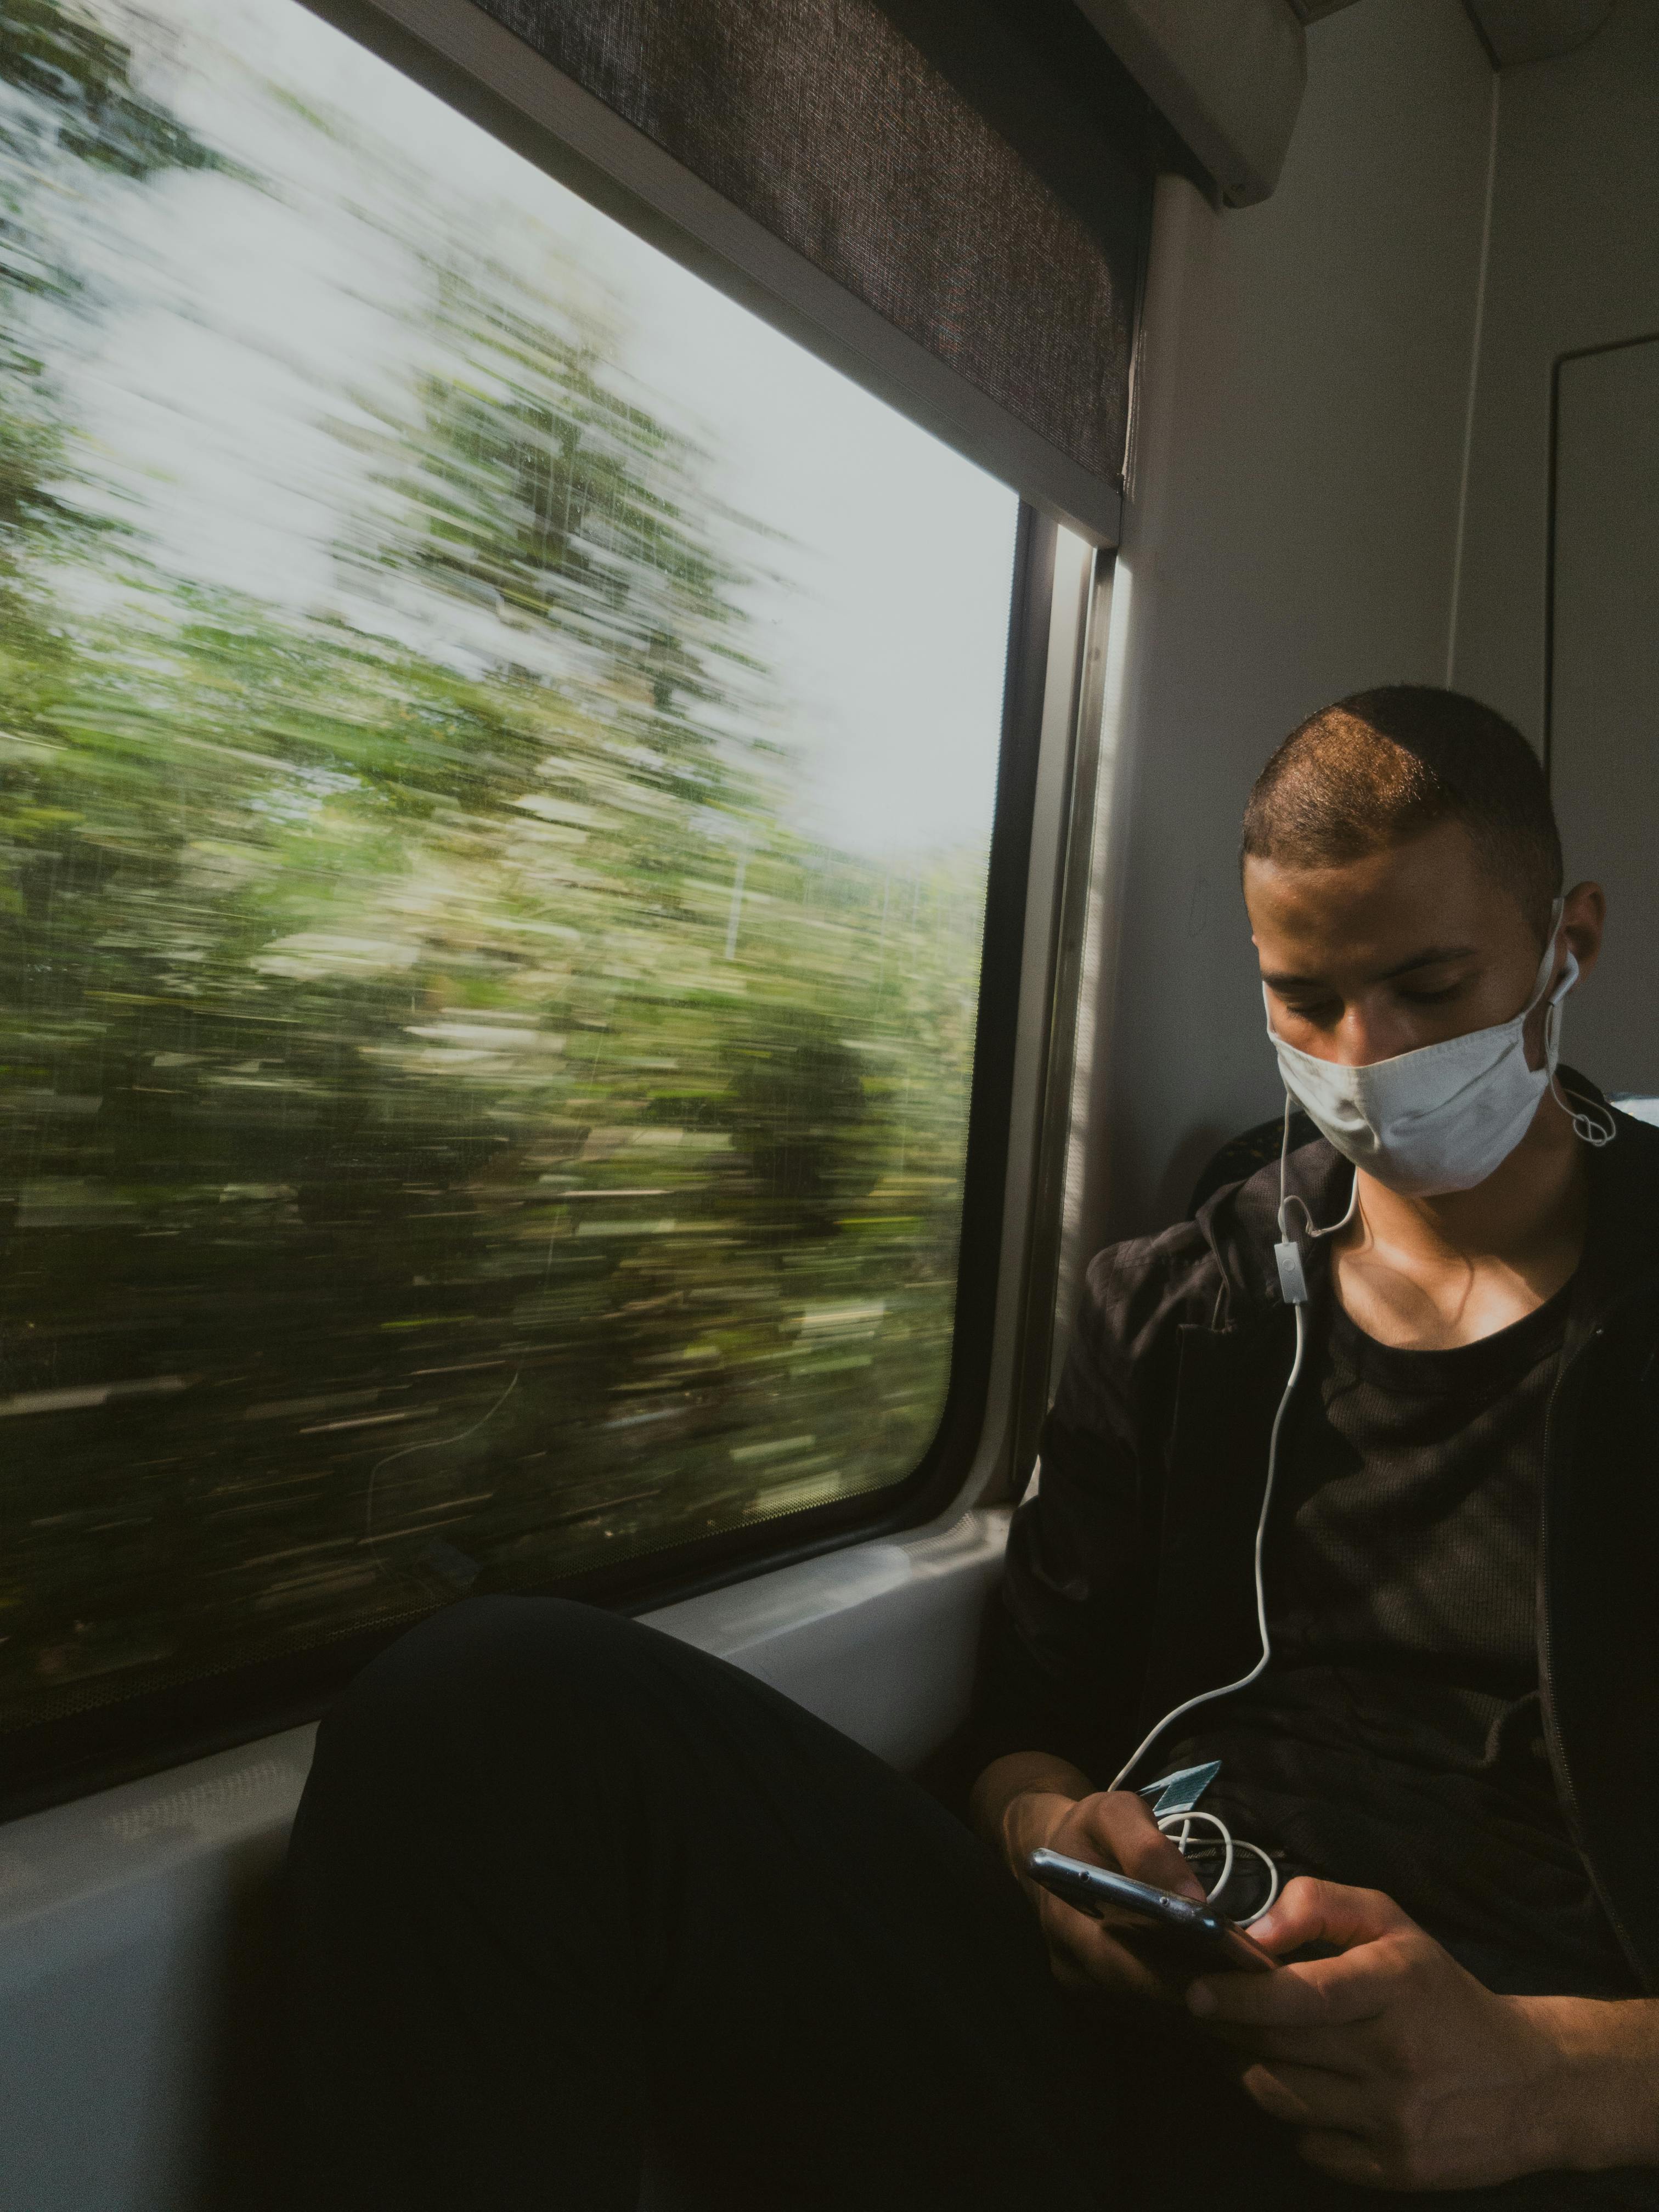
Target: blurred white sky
pixel 237 316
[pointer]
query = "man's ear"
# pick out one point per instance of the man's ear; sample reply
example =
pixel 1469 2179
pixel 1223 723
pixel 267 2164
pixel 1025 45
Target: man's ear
pixel 1583 918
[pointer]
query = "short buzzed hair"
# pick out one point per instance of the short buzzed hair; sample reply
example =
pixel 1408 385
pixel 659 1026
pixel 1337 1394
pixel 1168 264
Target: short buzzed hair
pixel 1381 767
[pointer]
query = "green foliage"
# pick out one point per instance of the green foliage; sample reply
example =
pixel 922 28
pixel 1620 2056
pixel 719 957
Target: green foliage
pixel 81 99
pixel 67 103
pixel 453 1131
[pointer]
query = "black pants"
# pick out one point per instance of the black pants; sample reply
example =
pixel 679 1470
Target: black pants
pixel 558 1880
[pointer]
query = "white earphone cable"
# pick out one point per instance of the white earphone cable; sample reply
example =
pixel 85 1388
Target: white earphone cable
pixel 1243 1682
pixel 1205 1697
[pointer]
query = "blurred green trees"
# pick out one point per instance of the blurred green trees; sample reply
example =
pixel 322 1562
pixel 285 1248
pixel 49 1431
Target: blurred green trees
pixel 453 1130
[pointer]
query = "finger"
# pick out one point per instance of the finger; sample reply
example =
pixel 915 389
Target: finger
pixel 1309 2097
pixel 1336 2048
pixel 1311 1911
pixel 1084 1952
pixel 1318 1993
pixel 1120 1823
pixel 1346 2158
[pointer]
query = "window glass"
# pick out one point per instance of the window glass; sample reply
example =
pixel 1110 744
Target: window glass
pixel 497 752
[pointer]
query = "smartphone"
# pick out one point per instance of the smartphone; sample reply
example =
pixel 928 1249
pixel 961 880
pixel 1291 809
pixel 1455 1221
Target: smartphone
pixel 1185 1933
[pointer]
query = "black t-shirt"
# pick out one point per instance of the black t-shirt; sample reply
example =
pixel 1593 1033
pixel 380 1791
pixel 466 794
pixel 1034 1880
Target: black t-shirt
pixel 1395 1740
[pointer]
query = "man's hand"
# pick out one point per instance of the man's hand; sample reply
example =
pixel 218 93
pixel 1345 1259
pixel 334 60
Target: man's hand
pixel 1109 1828
pixel 1399 2070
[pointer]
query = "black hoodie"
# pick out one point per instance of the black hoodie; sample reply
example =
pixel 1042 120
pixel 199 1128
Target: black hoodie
pixel 1129 1583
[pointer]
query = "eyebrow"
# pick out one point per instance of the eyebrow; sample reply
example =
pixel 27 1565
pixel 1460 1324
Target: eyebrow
pixel 1436 956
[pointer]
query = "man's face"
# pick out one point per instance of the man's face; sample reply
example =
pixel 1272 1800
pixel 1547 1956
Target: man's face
pixel 1404 948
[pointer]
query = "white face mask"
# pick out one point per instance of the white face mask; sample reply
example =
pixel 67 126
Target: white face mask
pixel 1443 1117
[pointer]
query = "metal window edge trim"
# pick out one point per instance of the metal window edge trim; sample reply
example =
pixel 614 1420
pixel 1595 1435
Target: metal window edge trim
pixel 481 69
pixel 1047 1230
pixel 1063 816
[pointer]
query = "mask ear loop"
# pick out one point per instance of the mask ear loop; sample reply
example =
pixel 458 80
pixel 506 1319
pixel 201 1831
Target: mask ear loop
pixel 1588 1132
pixel 1295 1198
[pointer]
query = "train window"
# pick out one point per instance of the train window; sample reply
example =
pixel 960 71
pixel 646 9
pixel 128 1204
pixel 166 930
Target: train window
pixel 498 769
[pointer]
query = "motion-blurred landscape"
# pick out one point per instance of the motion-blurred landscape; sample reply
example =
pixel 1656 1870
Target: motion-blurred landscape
pixel 460 1121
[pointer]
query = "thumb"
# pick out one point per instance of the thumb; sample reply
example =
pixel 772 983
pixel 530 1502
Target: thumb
pixel 1310 1911
pixel 1120 1823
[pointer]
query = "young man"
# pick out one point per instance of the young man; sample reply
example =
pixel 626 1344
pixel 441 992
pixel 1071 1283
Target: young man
pixel 559 1881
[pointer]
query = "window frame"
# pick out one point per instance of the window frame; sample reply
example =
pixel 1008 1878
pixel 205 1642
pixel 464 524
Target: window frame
pixel 1041 830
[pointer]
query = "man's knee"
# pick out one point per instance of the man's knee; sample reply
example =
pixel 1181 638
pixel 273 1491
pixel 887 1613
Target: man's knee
pixel 481 1646
pixel 488 1689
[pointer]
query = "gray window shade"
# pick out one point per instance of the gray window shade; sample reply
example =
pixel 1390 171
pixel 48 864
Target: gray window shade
pixel 959 168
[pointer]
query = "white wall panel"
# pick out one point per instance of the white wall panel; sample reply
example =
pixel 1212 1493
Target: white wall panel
pixel 1604 743
pixel 1574 262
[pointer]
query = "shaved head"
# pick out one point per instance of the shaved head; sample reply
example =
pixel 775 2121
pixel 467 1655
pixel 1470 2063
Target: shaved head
pixel 1381 768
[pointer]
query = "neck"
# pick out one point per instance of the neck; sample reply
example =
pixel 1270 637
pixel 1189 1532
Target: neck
pixel 1533 1204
